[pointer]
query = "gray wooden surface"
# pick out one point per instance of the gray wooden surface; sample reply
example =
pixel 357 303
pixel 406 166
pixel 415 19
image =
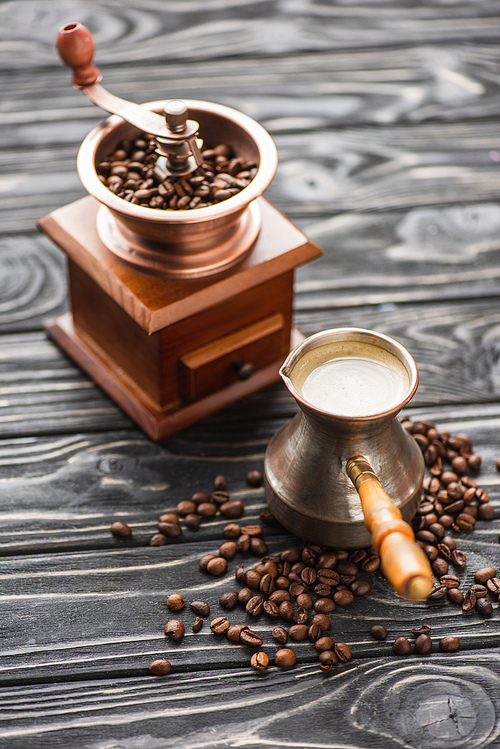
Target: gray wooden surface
pixel 386 118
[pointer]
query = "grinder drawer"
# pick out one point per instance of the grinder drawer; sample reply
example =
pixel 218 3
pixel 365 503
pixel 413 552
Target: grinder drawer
pixel 235 356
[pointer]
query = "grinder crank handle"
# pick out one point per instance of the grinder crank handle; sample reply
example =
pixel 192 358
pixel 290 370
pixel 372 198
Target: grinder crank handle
pixel 403 562
pixel 75 46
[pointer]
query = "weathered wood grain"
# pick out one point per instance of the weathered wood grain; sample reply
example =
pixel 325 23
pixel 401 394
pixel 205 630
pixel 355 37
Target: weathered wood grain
pixel 455 345
pixel 128 33
pixel 324 173
pixel 442 701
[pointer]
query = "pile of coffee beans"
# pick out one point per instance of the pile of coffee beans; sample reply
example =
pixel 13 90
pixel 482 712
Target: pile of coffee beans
pixel 132 173
pixel 452 501
pixel 298 589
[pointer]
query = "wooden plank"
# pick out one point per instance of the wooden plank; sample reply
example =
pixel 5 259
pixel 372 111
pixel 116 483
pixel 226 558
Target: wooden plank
pixel 131 34
pixel 443 701
pixel 327 172
pixel 455 345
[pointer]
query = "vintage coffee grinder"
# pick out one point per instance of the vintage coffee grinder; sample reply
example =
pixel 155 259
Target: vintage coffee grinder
pixel 174 313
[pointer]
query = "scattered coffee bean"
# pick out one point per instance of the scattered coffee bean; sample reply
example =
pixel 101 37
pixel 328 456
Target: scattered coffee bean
pixel 192 521
pixel 322 620
pixel 484 574
pixel 280 635
pixel 424 629
pixel 324 643
pixel 220 625
pixel 170 530
pixel 232 509
pixel 250 638
pixel 401 646
pixel 259 661
pixel 228 550
pixel 378 632
pixel 327 659
pixel 229 599
pixel 186 507
pixel 423 644
pixel 175 602
pixel 484 607
pixel 233 633
pixel 174 629
pixel 343 652
pixel 158 540
pixel 285 658
pixel 160 667
pixel 231 531
pixel 198 624
pixel 220 483
pixel 206 558
pixel 119 529
pixel 298 632
pixel 200 607
pixel 449 644
pixel 455 596
pixel 255 606
pixel 217 566
pixel 254 478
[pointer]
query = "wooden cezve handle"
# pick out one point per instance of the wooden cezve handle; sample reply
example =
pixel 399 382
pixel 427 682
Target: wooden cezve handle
pixel 403 562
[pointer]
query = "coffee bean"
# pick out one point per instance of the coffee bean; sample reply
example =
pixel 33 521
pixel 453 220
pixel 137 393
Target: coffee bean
pixel 206 509
pixel 192 521
pixel 244 595
pixel 158 540
pixel 291 555
pixel 301 615
pixel 314 632
pixel 250 638
pixel 206 558
pixel 484 574
pixel 200 607
pixel 229 599
pixel 232 509
pixel 298 632
pixel 449 644
pixel 328 576
pixel 423 644
pixel 285 658
pixel 169 517
pixel 479 590
pixel 440 567
pixel 324 643
pixel 327 560
pixel 326 605
pixel 455 596
pixel 469 601
pixel 271 610
pixel 174 629
pixel 217 566
pixel 258 546
pixel 450 581
pixel 199 497
pixel 378 632
pixel 160 667
pixel 175 602
pixel 401 646
pixel 254 606
pixel 305 600
pixel 243 543
pixel 220 625
pixel 252 579
pixel 198 624
pixel 259 661
pixel 371 563
pixel 322 620
pixel 231 531
pixel 296 589
pixel 484 606
pixel 228 550
pixel 458 558
pixel 424 629
pixel 308 575
pixel 327 659
pixel 341 598
pixel 278 596
pixel 252 530
pixel 119 529
pixel 234 632
pixel 170 530
pixel 254 478
pixel 493 585
pixel 485 512
pixel 360 588
pixel 186 507
pixel 343 652
pixel 286 611
pixel 280 635
pixel 465 522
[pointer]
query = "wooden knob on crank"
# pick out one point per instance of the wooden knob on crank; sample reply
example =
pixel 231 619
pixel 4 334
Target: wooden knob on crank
pixel 403 562
pixel 75 46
